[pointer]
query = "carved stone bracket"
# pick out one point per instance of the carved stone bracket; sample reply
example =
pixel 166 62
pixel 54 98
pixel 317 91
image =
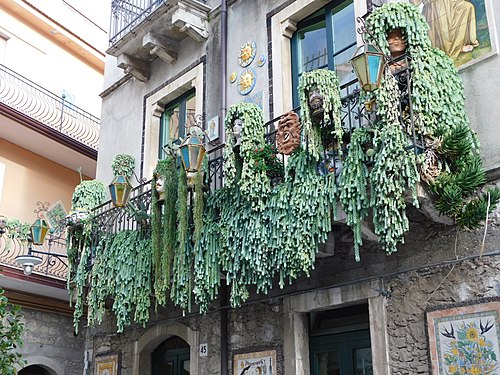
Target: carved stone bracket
pixel 288 27
pixel 137 68
pixel 191 18
pixel 163 48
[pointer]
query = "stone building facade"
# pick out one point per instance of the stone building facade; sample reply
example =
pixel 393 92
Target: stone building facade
pixel 383 299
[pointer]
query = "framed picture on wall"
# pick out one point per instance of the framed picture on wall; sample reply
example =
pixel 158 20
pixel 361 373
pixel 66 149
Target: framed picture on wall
pixel 255 363
pixel 463 30
pixel 106 365
pixel 465 339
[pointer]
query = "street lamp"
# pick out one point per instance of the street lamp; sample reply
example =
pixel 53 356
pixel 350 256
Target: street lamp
pixel 192 150
pixel 368 62
pixel 39 231
pixel 119 190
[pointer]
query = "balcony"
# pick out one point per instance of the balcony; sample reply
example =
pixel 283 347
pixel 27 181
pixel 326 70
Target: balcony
pixel 49 111
pixel 143 30
pixel 52 266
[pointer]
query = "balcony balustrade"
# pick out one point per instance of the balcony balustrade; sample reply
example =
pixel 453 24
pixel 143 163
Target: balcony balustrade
pixel 127 14
pixel 110 219
pixel 52 265
pixel 36 102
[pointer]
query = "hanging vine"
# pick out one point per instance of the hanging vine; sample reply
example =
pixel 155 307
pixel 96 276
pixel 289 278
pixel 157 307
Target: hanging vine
pixel 326 83
pixel 253 182
pixel 163 228
pixel 438 105
pixel 354 186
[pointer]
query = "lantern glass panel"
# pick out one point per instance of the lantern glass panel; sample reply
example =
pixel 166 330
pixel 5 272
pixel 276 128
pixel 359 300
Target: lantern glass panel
pixel 374 66
pixel 39 230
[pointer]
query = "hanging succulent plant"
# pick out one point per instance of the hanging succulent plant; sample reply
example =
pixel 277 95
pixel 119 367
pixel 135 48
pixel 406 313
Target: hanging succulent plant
pixel 438 105
pixel 253 182
pixel 123 165
pixel 320 89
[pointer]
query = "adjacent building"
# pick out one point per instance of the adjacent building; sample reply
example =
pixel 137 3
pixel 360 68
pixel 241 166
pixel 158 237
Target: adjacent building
pixel 51 72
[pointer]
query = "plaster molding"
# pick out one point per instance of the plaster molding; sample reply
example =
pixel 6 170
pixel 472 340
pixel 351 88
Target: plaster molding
pixel 288 27
pixel 137 68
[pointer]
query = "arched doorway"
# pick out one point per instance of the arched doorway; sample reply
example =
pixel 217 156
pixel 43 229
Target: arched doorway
pixel 171 357
pixel 34 370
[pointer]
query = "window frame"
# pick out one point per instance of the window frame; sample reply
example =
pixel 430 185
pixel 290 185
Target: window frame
pixel 324 14
pixel 180 101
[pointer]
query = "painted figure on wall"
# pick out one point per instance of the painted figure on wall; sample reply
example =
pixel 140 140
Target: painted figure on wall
pixel 452 25
pixel 457 27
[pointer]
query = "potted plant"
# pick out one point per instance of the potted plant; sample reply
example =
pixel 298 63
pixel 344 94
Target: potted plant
pixel 120 188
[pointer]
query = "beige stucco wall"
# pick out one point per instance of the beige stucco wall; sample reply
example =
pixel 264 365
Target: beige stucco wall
pixel 29 178
pixel 48 62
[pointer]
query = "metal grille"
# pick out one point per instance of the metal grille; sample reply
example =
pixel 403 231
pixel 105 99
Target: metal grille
pixel 127 14
pixel 46 107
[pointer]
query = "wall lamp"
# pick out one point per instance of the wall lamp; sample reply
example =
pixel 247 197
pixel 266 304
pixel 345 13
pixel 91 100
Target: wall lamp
pixel 38 234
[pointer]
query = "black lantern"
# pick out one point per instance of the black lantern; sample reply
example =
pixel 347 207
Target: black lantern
pixel 39 230
pixel 368 63
pixel 192 153
pixel 120 189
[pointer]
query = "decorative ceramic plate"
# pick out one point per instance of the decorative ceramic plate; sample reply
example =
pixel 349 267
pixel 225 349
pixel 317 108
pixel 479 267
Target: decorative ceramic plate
pixel 247 80
pixel 232 77
pixel 261 60
pixel 247 53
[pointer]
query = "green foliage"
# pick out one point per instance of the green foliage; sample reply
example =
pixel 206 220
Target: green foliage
pixel 266 160
pixel 17 231
pixel 11 329
pixel 163 231
pixel 474 211
pixel 121 271
pixel 253 181
pixel 327 84
pixel 252 247
pixel 354 185
pixel 123 165
pixel 183 258
pixel 88 195
pixel 438 107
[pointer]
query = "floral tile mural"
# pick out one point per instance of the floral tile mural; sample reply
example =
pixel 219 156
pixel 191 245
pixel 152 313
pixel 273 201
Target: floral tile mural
pixel 465 340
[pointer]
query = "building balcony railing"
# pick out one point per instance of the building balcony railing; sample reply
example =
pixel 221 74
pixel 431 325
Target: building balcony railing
pixel 52 265
pixel 30 99
pixel 127 14
pixel 110 219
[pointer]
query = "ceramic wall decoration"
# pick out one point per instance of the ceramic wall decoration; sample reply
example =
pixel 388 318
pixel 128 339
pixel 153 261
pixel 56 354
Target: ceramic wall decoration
pixel 288 136
pixel 261 60
pixel 233 77
pixel 246 81
pixel 247 53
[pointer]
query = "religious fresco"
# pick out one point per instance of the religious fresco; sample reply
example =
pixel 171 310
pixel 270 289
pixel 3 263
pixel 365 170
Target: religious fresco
pixel 460 28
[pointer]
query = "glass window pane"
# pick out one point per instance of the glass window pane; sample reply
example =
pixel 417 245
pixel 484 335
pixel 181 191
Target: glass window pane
pixel 312 47
pixel 172 122
pixel 185 367
pixel 363 361
pixel 343 67
pixel 328 363
pixel 191 111
pixel 344 26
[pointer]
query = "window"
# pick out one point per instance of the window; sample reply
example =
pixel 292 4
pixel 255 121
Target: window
pixel 326 39
pixel 178 115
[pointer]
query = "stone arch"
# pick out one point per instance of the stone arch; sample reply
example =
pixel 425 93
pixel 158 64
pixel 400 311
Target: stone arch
pixel 46 363
pixel 155 336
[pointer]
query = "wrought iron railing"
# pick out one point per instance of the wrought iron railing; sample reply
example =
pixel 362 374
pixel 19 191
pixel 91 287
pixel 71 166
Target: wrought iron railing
pixel 127 14
pixel 51 265
pixel 46 107
pixel 108 218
